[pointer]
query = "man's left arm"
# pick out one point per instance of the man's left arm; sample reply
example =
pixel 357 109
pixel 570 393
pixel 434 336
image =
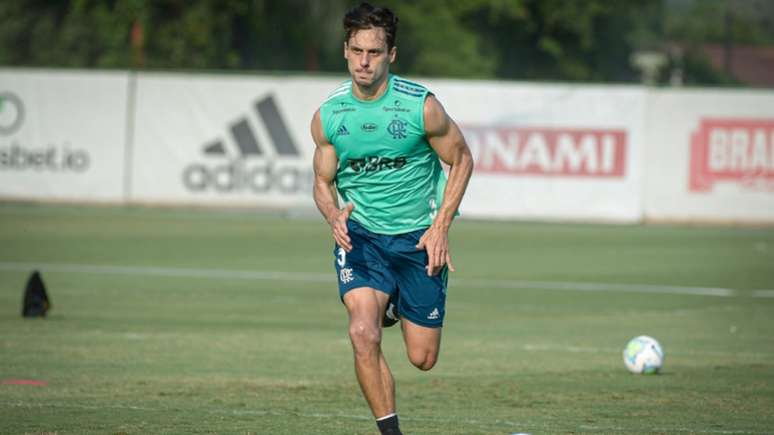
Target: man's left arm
pixel 446 139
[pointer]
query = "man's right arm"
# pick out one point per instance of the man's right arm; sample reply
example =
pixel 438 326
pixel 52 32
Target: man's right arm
pixel 325 165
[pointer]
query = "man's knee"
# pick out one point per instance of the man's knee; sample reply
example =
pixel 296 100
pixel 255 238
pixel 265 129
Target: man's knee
pixel 423 360
pixel 365 338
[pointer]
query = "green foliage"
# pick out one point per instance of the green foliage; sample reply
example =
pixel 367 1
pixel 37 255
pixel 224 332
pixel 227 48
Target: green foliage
pixel 579 40
pixel 438 45
pixel 191 34
pixel 699 71
pixel 693 23
pixel 748 22
pixel 79 33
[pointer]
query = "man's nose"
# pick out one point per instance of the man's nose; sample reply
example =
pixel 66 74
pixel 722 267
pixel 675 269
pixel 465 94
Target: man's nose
pixel 364 59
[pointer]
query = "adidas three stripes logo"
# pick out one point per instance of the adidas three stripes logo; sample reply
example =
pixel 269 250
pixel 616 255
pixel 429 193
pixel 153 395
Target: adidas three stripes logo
pixel 247 141
pixel 240 174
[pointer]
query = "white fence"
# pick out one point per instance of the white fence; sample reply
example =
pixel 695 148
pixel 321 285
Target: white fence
pixel 710 156
pixel 62 135
pixel 560 152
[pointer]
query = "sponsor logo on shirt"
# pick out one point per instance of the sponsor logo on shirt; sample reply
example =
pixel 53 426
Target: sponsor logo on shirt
pixel 396 107
pixel 369 127
pixel 376 163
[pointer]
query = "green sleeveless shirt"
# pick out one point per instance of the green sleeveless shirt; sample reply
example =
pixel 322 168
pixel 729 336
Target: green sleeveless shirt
pixel 387 169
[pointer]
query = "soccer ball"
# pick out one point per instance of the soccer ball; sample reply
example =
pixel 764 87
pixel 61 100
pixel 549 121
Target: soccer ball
pixel 643 354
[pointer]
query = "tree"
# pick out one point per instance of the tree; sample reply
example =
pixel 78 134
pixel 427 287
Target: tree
pixel 578 40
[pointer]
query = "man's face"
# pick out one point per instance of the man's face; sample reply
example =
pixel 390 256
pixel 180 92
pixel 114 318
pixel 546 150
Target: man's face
pixel 368 58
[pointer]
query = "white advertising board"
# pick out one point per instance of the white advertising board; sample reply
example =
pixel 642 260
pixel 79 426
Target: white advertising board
pixel 542 151
pixel 62 134
pixel 710 156
pixel 557 152
pixel 554 152
pixel 225 140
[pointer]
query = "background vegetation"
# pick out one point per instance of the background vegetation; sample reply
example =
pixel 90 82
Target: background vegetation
pixel 581 40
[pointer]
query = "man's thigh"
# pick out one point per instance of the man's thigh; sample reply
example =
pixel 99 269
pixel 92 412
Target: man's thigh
pixel 420 338
pixel 365 304
pixel 422 298
pixel 363 266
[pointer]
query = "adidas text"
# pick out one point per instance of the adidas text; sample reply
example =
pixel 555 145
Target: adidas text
pixel 237 176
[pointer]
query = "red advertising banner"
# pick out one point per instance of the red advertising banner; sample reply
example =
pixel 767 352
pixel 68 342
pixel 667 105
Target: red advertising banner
pixel 740 151
pixel 550 152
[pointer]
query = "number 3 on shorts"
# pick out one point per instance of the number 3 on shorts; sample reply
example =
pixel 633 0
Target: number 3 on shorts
pixel 342 257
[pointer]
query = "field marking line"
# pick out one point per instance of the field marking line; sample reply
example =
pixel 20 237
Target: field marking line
pixel 329 278
pixel 176 272
pixel 596 286
pixel 763 293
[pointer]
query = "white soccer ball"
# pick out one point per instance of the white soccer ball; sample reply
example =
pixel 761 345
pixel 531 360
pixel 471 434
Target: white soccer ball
pixel 644 355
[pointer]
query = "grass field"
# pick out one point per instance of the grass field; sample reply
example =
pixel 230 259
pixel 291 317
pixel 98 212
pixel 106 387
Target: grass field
pixel 172 321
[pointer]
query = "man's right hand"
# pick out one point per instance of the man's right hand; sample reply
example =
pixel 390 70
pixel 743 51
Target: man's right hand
pixel 338 224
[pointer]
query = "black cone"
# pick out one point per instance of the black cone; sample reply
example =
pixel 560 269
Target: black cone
pixel 36 302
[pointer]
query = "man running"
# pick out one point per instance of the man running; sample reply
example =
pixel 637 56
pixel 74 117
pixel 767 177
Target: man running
pixel 380 140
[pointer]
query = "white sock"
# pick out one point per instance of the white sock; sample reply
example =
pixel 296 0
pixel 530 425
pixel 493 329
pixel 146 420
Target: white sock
pixel 385 417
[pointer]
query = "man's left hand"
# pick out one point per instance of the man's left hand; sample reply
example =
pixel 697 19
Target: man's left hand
pixel 436 242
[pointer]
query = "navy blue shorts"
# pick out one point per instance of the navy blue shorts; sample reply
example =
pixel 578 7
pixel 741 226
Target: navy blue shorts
pixel 392 264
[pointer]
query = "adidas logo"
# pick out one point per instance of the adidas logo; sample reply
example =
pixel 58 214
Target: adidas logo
pixel 434 314
pixel 245 137
pixel 342 131
pixel 242 172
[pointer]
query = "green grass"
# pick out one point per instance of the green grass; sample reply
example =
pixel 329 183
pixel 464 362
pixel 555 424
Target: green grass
pixel 143 353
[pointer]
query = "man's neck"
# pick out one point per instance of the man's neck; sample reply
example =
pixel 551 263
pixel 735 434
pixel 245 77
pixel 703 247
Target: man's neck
pixel 372 92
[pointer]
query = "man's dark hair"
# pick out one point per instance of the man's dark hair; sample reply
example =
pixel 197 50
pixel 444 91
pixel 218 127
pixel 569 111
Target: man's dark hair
pixel 365 16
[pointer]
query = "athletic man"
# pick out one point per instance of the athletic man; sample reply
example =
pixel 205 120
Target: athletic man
pixel 379 139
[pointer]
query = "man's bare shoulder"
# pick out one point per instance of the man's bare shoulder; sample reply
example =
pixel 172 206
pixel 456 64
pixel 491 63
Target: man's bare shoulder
pixel 316 116
pixel 436 119
pixel 317 131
